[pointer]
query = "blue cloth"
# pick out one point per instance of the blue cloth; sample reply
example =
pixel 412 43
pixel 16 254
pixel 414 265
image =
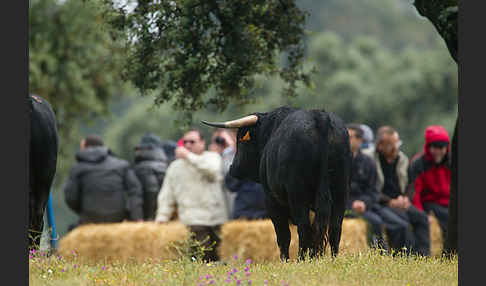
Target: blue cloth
pixel 250 199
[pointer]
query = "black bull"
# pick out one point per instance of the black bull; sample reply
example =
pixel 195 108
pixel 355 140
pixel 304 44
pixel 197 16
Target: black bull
pixel 42 161
pixel 303 160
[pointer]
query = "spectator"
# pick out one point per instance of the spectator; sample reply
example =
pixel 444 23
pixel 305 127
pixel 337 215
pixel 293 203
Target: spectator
pixel 430 176
pixel 102 188
pixel 169 147
pixel 363 197
pixel 193 183
pixel 223 143
pixel 250 199
pixel 367 138
pixel 150 166
pixel 397 211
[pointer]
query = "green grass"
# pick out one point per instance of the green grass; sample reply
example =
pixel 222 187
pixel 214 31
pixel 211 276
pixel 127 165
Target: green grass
pixel 368 268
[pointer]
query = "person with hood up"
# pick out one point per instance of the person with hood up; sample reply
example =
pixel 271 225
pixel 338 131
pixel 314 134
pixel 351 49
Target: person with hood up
pixel 150 165
pixel 430 176
pixel 102 188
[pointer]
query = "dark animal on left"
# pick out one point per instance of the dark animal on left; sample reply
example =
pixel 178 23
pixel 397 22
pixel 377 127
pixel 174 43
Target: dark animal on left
pixel 42 160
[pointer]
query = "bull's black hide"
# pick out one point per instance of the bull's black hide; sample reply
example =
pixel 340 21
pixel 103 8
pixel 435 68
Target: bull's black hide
pixel 303 160
pixel 42 161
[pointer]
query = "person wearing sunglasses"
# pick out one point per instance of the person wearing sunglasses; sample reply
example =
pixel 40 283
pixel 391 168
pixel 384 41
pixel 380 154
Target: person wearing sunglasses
pixel 193 184
pixel 406 226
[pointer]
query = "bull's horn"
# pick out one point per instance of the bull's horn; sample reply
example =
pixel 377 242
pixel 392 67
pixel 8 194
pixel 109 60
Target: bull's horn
pixel 244 121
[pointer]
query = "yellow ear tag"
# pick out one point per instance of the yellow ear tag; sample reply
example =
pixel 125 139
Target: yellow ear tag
pixel 246 137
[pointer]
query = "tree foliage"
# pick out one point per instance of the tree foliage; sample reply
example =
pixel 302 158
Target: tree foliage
pixel 183 49
pixel 73 61
pixel 396 23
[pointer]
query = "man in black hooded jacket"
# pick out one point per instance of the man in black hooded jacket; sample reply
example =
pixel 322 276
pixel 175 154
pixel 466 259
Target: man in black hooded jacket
pixel 102 188
pixel 150 166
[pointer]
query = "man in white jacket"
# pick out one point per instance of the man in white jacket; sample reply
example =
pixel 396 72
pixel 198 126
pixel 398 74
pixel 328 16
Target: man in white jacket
pixel 193 183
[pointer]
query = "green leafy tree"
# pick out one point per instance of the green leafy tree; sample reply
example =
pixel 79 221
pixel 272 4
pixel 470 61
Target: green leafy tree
pixel 73 61
pixel 184 49
pixel 396 24
pixel 75 65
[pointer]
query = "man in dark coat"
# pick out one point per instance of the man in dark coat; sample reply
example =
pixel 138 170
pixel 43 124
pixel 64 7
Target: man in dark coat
pixel 102 188
pixel 249 202
pixel 363 196
pixel 150 166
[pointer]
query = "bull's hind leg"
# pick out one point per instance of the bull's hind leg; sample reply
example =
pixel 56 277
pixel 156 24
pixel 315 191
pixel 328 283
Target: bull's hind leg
pixel 280 219
pixel 321 219
pixel 340 180
pixel 300 216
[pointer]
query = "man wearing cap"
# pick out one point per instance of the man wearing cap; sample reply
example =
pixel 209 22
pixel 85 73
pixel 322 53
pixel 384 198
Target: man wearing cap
pixel 430 176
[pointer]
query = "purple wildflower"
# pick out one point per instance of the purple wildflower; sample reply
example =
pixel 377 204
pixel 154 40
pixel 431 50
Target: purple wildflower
pixel 103 268
pixel 265 282
pixel 208 276
pixel 59 257
pixel 211 281
pixel 31 257
pixel 238 282
pixel 247 269
pixel 227 280
pixel 235 270
pixel 235 257
pixel 75 266
pixel 230 273
pixel 247 273
pixel 248 262
pixel 249 282
pixel 62 270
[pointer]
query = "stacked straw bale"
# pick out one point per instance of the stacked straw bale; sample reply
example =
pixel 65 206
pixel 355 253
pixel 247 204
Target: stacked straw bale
pixel 256 240
pixel 124 241
pixel 435 236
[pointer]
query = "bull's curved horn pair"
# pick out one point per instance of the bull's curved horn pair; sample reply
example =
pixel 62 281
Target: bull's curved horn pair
pixel 237 123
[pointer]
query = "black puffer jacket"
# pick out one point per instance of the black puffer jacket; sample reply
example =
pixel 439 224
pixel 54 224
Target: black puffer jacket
pixel 150 167
pixel 103 188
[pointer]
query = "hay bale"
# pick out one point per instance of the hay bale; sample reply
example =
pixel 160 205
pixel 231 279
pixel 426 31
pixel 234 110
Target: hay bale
pixel 248 239
pixel 124 241
pixel 435 236
pixel 257 240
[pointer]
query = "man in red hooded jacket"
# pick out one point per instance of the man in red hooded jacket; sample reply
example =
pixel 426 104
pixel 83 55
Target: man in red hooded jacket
pixel 430 176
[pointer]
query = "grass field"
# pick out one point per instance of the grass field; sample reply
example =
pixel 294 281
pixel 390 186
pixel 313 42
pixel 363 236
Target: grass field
pixel 368 268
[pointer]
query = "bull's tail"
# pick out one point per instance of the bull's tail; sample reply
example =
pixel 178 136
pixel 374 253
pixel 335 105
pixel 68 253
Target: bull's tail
pixel 323 199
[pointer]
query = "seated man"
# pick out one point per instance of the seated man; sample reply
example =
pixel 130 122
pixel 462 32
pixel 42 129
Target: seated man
pixel 430 176
pixel 406 226
pixel 363 196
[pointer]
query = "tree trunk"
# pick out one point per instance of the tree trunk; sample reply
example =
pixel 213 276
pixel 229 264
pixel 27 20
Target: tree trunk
pixel 444 14
pixel 450 245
